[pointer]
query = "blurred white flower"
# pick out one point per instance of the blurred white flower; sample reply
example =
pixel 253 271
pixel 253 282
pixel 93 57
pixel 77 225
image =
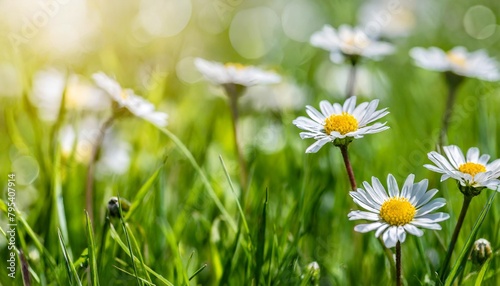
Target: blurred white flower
pixel 388 18
pixel 399 212
pixel 78 140
pixel 234 73
pixel 338 122
pixel 82 95
pixel 459 61
pixel 472 170
pixel 350 42
pixel 48 88
pixel 126 98
pixel 115 157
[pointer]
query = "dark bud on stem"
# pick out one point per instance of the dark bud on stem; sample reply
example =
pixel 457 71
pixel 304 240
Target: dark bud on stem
pixel 481 251
pixel 113 206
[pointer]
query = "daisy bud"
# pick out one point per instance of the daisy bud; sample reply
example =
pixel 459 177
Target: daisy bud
pixel 481 251
pixel 113 206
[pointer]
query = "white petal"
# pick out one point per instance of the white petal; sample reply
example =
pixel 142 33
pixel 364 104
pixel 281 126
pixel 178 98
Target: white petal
pixel 473 154
pixel 390 237
pixel 367 227
pixel 317 145
pixel 355 215
pixel 433 205
pixel 413 230
pixel 392 185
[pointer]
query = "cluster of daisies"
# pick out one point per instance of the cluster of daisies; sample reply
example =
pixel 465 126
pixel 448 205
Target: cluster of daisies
pixel 394 212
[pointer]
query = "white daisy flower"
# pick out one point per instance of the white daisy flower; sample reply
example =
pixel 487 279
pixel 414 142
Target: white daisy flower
pixel 349 41
pixel 338 122
pixel 471 171
pixel 234 73
pixel 459 61
pixel 396 213
pixel 128 99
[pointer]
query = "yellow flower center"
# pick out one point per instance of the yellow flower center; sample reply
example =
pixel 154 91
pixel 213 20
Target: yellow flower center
pixel 397 211
pixel 342 123
pixel 456 58
pixel 123 95
pixel 472 168
pixel 237 66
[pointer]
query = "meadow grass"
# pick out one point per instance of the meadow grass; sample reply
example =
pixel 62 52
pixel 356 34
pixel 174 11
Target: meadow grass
pixel 190 222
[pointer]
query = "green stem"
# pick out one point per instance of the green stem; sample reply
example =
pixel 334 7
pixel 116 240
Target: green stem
pixel 351 81
pixel 89 185
pixel 453 84
pixel 398 264
pixel 348 167
pixel 454 237
pixel 233 93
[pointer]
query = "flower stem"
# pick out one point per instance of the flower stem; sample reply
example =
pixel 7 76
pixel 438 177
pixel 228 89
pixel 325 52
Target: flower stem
pixel 348 167
pixel 450 102
pixel 451 246
pixel 89 184
pixel 351 81
pixel 233 94
pixel 398 264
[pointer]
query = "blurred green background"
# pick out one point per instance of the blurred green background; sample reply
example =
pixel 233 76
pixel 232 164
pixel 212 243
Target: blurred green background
pixel 149 46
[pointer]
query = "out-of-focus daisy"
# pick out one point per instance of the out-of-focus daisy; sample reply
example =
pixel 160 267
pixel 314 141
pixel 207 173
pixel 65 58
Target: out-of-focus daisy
pixel 115 157
pixel 387 18
pixel 458 61
pixel 472 170
pixel 349 42
pixel 234 73
pixel 128 99
pixel 77 140
pixel 336 122
pixel 235 78
pixel 48 88
pixel 82 95
pixel 395 213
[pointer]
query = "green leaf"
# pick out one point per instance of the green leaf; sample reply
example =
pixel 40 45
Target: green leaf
pixel 72 274
pixel 229 219
pixel 462 258
pixel 122 245
pixel 92 252
pixel 136 202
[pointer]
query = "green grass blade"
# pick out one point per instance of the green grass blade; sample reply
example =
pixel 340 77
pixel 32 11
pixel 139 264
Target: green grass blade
pixel 203 177
pixel 243 219
pixel 138 250
pixel 198 271
pixel 70 268
pixel 94 276
pixel 58 197
pixel 170 236
pixel 482 272
pixel 261 243
pixel 129 244
pixel 136 202
pixel 131 274
pixel 122 245
pixel 462 258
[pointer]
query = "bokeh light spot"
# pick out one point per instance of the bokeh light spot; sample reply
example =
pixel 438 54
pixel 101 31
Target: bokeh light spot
pixel 300 19
pixel 480 22
pixel 253 32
